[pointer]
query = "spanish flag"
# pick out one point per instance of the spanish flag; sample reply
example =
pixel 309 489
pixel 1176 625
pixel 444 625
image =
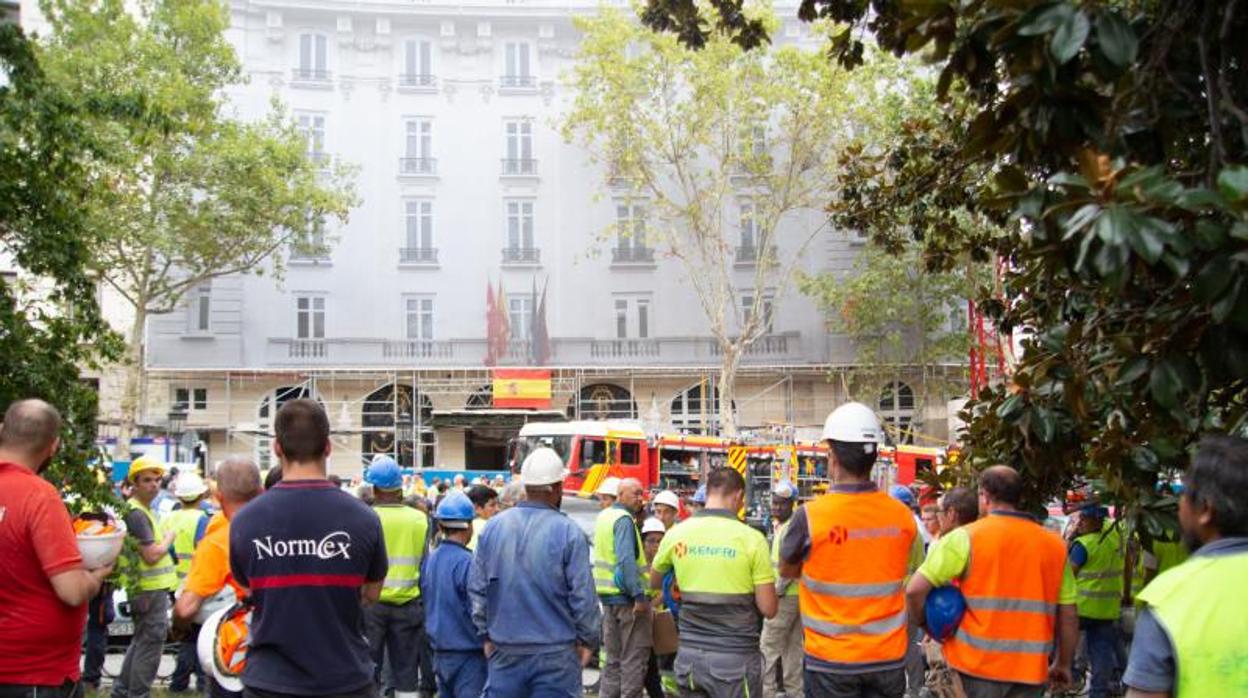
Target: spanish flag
pixel 522 388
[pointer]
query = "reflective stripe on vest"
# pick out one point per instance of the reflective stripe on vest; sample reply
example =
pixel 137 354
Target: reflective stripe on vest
pixel 1011 587
pixel 604 550
pixel 776 540
pixel 404 529
pixel 1099 581
pixel 162 575
pixel 851 598
pixel 1202 608
pixel 184 523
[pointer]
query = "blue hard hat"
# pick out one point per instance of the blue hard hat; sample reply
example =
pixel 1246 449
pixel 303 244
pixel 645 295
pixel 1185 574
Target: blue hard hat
pixel 384 474
pixel 902 494
pixel 943 612
pixel 455 511
pixel 699 497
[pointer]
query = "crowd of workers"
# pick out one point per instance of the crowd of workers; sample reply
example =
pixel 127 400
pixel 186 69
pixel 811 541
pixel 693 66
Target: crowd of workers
pixel 303 589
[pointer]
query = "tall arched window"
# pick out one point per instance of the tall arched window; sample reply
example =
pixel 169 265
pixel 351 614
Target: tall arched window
pixel 606 401
pixel 897 411
pixel 388 414
pixel 266 411
pixel 694 414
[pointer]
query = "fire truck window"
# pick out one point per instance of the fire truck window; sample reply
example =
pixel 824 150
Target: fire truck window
pixel 923 465
pixel 630 453
pixel 593 452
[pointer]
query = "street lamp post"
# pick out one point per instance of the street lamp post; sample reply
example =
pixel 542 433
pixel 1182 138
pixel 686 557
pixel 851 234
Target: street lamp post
pixel 175 425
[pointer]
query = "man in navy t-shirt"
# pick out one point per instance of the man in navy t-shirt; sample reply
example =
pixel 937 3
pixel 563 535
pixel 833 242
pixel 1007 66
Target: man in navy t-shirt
pixel 311 555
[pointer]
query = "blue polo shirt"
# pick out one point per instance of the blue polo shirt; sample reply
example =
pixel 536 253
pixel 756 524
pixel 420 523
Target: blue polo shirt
pixel 304 549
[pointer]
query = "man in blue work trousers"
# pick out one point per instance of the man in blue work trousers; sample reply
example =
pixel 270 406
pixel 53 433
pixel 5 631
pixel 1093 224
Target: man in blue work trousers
pixel 459 657
pixel 532 591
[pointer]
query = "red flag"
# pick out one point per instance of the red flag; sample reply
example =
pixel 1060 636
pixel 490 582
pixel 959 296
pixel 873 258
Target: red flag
pixel 491 329
pixel 541 337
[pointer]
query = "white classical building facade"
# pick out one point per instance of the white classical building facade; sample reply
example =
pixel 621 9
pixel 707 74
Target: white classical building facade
pixel 448 112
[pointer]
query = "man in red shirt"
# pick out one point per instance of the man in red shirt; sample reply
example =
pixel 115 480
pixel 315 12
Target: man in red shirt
pixel 42 579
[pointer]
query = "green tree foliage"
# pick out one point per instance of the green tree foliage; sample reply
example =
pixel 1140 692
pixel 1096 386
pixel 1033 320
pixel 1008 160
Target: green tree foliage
pixel 906 323
pixel 1114 137
pixel 192 193
pixel 50 325
pixel 692 135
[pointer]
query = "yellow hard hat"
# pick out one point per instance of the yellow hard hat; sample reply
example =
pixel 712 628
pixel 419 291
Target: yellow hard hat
pixel 144 463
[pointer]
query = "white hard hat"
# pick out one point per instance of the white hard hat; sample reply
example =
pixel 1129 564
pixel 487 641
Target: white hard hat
pixel 189 486
pixel 853 423
pixel 669 498
pixel 209 643
pixel 542 467
pixel 610 487
pixel 652 525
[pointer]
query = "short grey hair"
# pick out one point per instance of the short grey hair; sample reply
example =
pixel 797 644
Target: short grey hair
pixel 512 492
pixel 238 479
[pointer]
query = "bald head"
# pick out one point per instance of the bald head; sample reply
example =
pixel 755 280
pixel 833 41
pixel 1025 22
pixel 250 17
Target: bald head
pixel 238 480
pixel 630 494
pixel 30 430
pixel 1001 485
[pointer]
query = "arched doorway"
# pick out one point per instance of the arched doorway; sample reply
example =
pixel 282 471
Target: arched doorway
pixel 388 414
pixel 692 413
pixel 266 411
pixel 606 401
pixel 897 411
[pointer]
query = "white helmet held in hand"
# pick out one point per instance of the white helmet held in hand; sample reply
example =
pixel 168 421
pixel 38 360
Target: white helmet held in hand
pixel 852 423
pixel 542 467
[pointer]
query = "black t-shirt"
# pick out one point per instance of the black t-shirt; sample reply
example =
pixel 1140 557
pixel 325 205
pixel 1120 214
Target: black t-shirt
pixel 304 549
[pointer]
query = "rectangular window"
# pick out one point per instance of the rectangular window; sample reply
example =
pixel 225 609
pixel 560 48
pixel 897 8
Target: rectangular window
pixel 520 225
pixel 519 149
pixel 520 313
pixel 200 307
pixel 753 141
pixel 518 73
pixel 312 126
pixel 767 306
pixel 749 231
pixel 632 313
pixel 310 317
pixel 419 224
pixel 419 143
pixel 630 453
pixel 313 55
pixel 417 62
pixel 630 220
pixel 419 318
pixel 186 399
pixel 621 318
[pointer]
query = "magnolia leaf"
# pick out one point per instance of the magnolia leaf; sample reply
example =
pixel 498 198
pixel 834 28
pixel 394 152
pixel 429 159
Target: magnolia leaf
pixel 1116 39
pixel 1069 37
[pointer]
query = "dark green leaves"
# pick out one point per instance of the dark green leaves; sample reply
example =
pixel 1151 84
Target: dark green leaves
pixel 1069 37
pixel 1116 39
pixel 1172 377
pixel 1233 184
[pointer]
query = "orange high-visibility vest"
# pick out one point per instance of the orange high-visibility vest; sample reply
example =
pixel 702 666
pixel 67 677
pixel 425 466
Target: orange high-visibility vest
pixel 1011 586
pixel 852 595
